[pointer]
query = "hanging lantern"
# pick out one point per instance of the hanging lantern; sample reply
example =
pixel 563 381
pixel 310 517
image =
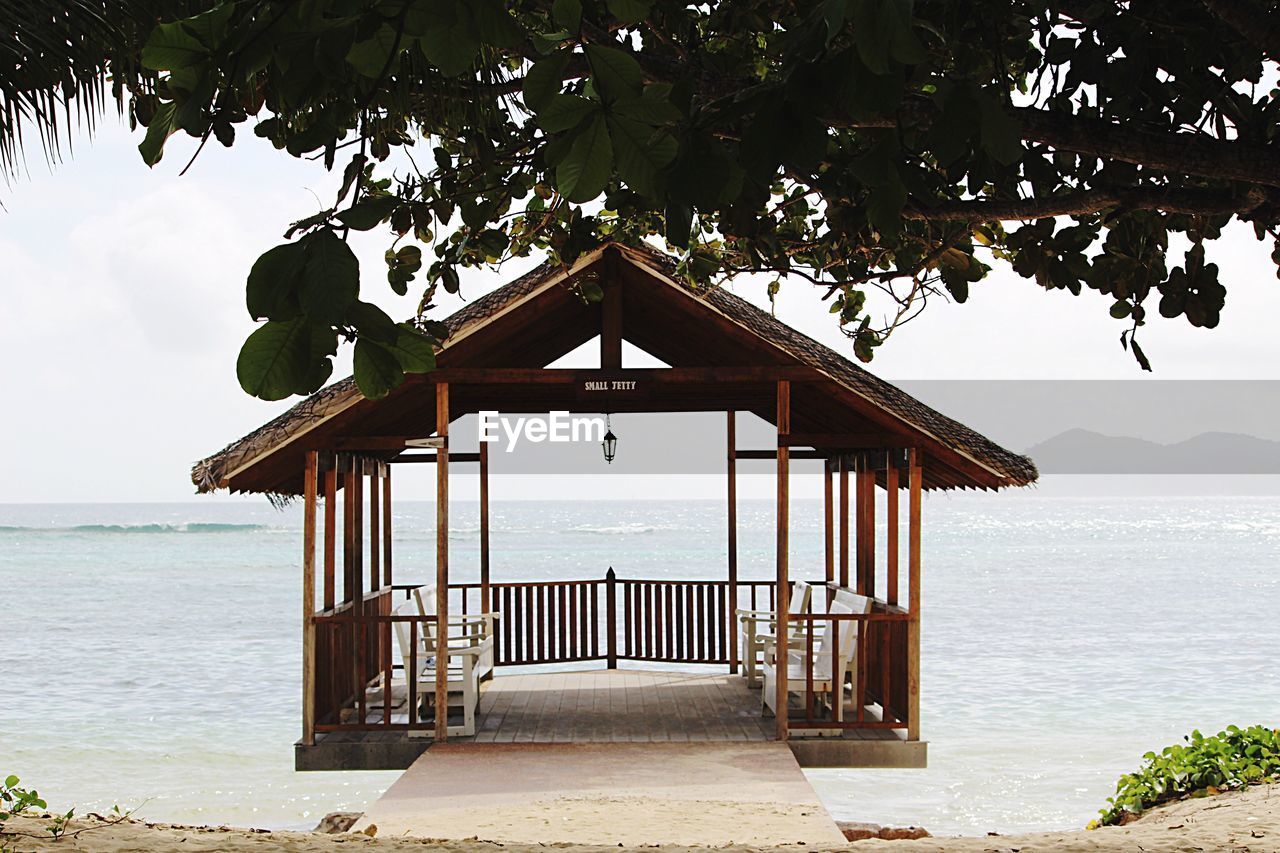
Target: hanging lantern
pixel 610 443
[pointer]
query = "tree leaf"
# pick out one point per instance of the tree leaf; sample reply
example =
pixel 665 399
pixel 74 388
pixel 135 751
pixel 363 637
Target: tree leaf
pixel 330 277
pixel 274 359
pixel 370 212
pixel 1001 135
pixel 544 78
pixel 640 152
pixel 271 291
pixel 377 371
pixel 585 170
pixel 565 112
pixel 171 46
pixel 629 11
pixel 369 57
pixel 453 49
pixel 567 14
pixel 152 145
pixel 615 74
pixel 494 24
pixel 415 352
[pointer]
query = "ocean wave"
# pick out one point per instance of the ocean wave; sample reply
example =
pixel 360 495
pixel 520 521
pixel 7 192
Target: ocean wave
pixel 188 527
pixel 613 530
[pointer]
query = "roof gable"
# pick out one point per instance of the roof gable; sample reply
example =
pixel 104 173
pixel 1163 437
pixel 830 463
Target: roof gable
pixel 535 319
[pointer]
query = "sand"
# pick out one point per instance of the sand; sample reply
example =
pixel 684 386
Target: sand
pixel 1239 821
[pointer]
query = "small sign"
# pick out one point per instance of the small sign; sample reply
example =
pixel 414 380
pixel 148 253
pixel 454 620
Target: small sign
pixel 623 385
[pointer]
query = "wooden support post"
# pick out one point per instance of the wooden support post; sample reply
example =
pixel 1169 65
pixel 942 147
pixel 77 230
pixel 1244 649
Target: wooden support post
pixel 891 534
pixel 485 603
pixel 844 521
pixel 915 485
pixel 442 564
pixel 828 527
pixel 611 619
pixel 349 583
pixel 784 548
pixel 611 323
pixel 330 530
pixel 386 525
pixel 357 530
pixel 375 529
pixel 866 528
pixel 731 612
pixel 309 491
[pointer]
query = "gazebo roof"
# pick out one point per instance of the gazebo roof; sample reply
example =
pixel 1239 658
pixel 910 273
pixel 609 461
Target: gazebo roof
pixel 536 318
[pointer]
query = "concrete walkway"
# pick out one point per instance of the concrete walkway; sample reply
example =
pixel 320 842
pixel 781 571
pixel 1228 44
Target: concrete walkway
pixel 621 793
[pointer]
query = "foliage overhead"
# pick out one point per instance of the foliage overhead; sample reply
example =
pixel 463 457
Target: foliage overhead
pixel 854 144
pixel 1230 759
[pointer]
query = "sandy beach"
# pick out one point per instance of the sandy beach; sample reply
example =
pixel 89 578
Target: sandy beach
pixel 1241 821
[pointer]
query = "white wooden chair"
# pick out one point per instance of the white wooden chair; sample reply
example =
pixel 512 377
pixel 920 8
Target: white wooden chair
pixel 464 631
pixel 758 627
pixel 830 665
pixel 462 680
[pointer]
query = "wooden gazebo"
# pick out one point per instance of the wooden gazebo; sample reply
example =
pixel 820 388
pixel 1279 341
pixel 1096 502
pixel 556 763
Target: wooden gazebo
pixel 336 451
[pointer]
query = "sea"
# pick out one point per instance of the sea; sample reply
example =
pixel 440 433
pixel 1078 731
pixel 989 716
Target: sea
pixel 150 653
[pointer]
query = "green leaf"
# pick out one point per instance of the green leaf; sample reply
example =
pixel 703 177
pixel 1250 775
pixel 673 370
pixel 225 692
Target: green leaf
pixel 415 352
pixel 648 109
pixel 565 112
pixel 274 359
pixel 171 46
pixel 369 57
pixel 210 27
pixel 330 277
pixel 884 205
pixel 615 74
pixel 271 291
pixel 585 170
pixel 152 145
pixel 453 49
pixel 377 371
pixel 372 322
pixel 629 11
pixel 544 79
pixel 370 212
pixel 640 152
pixel 1001 135
pixel 567 14
pixel 494 24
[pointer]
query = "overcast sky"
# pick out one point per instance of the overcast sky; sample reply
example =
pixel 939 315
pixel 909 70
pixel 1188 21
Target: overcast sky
pixel 124 311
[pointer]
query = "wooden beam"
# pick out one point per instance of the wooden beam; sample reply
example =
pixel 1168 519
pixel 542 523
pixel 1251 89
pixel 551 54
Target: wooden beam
pixel 375 530
pixel 386 526
pixel 865 510
pixel 828 526
pixel 657 375
pixel 611 326
pixel 731 470
pixel 357 541
pixel 891 534
pixel 309 491
pixel 430 458
pixel 915 482
pixel 843 467
pixel 485 604
pixel 845 440
pixel 791 454
pixel 330 532
pixel 349 584
pixel 784 549
pixel 442 566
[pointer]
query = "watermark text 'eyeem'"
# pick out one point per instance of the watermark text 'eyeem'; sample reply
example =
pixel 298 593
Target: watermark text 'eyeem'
pixel 557 427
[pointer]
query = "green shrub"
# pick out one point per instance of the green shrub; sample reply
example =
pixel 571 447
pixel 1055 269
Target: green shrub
pixel 1230 759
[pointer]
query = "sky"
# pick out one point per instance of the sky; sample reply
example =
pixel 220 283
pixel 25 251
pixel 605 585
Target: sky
pixel 123 289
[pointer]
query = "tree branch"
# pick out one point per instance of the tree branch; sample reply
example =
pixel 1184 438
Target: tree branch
pixel 1259 27
pixel 1194 202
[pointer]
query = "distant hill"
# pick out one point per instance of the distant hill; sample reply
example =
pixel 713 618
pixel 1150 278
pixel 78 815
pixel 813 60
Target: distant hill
pixel 1081 451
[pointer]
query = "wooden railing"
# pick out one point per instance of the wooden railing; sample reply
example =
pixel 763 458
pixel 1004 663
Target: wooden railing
pixel 871 689
pixel 610 619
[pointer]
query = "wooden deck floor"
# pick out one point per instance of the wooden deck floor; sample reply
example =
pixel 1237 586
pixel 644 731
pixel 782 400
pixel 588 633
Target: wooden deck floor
pixel 620 706
pixel 609 706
